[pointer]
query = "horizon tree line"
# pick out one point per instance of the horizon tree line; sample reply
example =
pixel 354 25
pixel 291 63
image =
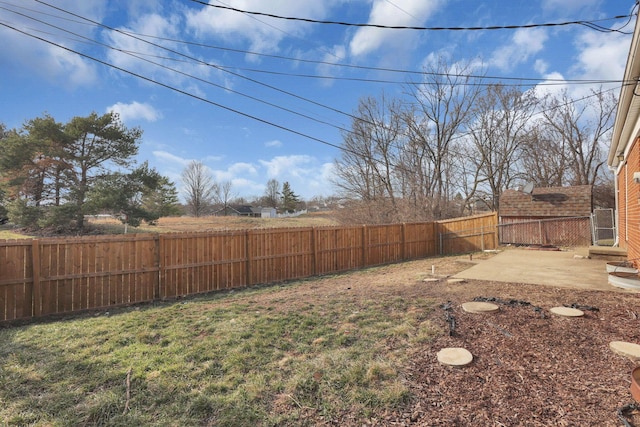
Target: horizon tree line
pixel 450 146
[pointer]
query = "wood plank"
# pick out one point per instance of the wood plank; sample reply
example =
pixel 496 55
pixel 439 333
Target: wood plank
pixel 94 265
pixel 71 274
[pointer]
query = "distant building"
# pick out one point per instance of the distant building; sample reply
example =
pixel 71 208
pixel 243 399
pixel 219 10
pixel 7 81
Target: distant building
pixel 239 210
pixel 268 212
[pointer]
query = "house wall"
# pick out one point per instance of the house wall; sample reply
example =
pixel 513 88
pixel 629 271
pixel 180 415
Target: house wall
pixel 629 205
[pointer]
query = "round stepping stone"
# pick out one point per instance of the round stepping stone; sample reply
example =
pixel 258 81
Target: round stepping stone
pixel 626 349
pixel 567 311
pixel 456 280
pixel 430 279
pixel 455 356
pixel 480 307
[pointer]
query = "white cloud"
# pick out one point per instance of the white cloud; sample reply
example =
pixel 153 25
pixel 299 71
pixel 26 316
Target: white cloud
pixel 243 168
pixel 275 143
pixel 524 43
pixel 306 175
pixel 602 56
pixel 597 56
pixel 319 184
pixel 295 165
pixel 142 57
pixel 396 13
pixel 135 111
pixel 46 61
pixel 246 187
pixel 541 66
pixel 54 64
pixel 235 172
pixel 332 56
pixel 553 85
pixel 169 158
pixel 263 33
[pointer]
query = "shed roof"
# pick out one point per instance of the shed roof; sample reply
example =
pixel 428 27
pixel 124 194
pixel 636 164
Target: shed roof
pixel 547 202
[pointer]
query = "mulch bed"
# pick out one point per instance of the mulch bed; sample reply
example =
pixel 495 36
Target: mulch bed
pixel 530 367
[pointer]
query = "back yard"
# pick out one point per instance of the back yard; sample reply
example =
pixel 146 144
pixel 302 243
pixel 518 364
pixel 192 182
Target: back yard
pixel 352 349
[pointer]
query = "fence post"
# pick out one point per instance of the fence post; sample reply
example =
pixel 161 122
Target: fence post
pixel 157 290
pixel 247 246
pixel 364 246
pixel 314 250
pixel 482 238
pixel 34 297
pixel 403 251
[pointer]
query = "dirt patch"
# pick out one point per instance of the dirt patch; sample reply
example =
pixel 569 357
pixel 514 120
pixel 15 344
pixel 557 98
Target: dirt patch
pixel 530 367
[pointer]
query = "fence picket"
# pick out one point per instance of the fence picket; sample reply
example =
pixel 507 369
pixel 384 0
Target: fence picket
pixel 39 277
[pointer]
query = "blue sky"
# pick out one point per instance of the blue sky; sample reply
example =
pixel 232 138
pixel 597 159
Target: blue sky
pixel 254 64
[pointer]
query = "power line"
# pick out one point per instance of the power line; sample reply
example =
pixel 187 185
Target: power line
pixel 402 10
pixel 223 68
pixel 137 55
pixel 524 80
pixel 358 67
pixel 394 166
pixel 282 31
pixel 175 89
pixel 590 24
pixel 204 62
pixel 219 86
pixel 228 108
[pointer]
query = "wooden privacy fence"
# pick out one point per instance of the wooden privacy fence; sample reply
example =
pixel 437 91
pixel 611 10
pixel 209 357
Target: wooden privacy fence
pixel 40 277
pixel 572 231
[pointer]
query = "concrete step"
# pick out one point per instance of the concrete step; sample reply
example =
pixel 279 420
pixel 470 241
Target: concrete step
pixel 607 252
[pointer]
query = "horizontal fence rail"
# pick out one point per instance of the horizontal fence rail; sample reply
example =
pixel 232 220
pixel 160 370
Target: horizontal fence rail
pixel 40 277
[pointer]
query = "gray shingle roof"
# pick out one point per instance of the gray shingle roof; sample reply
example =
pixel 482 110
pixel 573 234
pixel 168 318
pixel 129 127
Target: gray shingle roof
pixel 547 202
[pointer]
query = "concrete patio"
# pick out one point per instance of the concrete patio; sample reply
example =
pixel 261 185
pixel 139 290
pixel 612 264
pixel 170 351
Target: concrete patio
pixel 562 269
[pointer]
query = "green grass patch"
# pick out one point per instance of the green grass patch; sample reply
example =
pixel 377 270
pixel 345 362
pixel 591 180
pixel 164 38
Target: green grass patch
pixel 223 360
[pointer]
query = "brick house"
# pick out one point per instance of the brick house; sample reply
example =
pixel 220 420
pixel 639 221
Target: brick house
pixel 624 155
pixel 547 216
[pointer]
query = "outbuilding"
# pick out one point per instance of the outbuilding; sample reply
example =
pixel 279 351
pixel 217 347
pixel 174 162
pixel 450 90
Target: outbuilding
pixel 558 216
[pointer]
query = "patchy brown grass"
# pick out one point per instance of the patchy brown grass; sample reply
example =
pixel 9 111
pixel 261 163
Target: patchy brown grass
pixel 350 349
pixel 213 223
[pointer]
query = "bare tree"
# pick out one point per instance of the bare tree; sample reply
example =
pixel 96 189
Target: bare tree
pixel 583 128
pixel 367 167
pixel 501 121
pixel 543 160
pixel 442 111
pixel 199 187
pixel 271 193
pixel 223 194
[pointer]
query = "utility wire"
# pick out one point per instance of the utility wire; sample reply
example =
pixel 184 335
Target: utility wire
pixel 317 62
pixel 172 88
pixel 590 24
pixel 206 63
pixel 284 32
pixel 345 131
pixel 360 67
pixel 354 117
pixel 139 56
pixel 342 148
pixel 393 166
pixel 402 10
